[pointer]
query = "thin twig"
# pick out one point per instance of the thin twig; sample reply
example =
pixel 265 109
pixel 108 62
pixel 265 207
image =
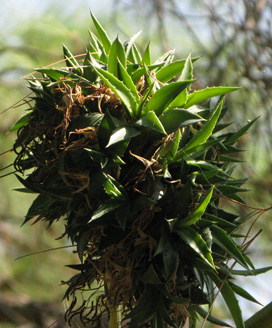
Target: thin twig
pixel 45 251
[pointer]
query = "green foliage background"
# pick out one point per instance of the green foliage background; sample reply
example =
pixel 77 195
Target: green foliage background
pixel 32 38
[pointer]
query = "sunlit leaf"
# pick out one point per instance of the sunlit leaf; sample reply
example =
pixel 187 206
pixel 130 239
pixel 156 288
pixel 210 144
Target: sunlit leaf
pixel 129 53
pixel 122 134
pixel 201 95
pixel 196 242
pixel 230 299
pixel 128 82
pixel 22 121
pixel 203 313
pixel 71 62
pixel 119 89
pixel 113 188
pixel 204 133
pixel 196 214
pixel 227 244
pixel 251 272
pixel 105 208
pixel 175 118
pixel 117 53
pixel 102 33
pixel 164 96
pixel 151 120
pixel 147 55
pixel 243 293
pixel 237 135
pixel 171 70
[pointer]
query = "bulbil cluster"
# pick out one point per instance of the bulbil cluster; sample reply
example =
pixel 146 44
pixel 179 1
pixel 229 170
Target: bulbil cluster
pixel 134 163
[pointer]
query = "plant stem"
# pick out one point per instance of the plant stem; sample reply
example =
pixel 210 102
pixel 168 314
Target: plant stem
pixel 115 318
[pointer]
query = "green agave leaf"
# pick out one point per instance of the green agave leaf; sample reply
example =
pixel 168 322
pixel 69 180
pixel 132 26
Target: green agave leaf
pixel 228 189
pixel 71 61
pixel 170 149
pixel 164 96
pixel 122 134
pixel 151 120
pixel 187 74
pixel 82 242
pixel 162 311
pixel 39 207
pixel 227 244
pixel 220 222
pixel 22 121
pixel 254 272
pixel 237 135
pixel 178 205
pixel 151 276
pixel 146 307
pixel 230 299
pixel 249 262
pixel 207 236
pixel 205 165
pixel 243 293
pixel 243 218
pixel 181 99
pixel 88 120
pixel 113 188
pixel 102 34
pixel 41 190
pixel 163 241
pixel 132 41
pixel 168 72
pixel 122 214
pixel 88 70
pixel 147 55
pixel 204 133
pixel 107 207
pixel 99 50
pixel 203 313
pixel 129 53
pixel 170 260
pixel 221 126
pixel 117 159
pixel 171 70
pixel 98 157
pixel 139 72
pixel 94 50
pixel 106 127
pixel 201 264
pixel 187 71
pixel 196 214
pixel 167 57
pixel 157 320
pixel 53 74
pixel 196 242
pixel 176 299
pixel 229 159
pixel 149 77
pixel 175 118
pixel 181 154
pixel 119 89
pixel 24 190
pixel 137 54
pixel 126 78
pixel 144 100
pixel 205 94
pixel 117 52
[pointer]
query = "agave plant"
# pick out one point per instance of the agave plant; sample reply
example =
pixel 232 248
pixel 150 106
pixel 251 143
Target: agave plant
pixel 135 163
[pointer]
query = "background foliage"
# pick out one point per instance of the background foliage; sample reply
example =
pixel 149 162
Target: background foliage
pixel 233 37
